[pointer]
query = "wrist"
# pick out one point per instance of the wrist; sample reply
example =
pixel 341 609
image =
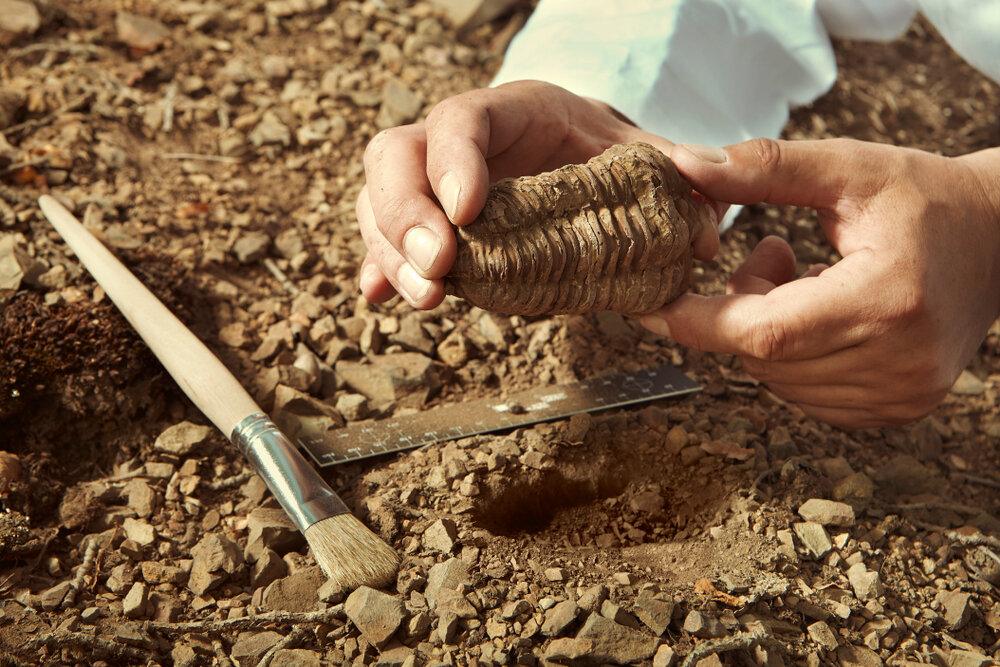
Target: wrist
pixel 985 167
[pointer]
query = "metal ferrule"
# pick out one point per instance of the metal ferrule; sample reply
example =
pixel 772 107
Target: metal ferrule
pixel 303 494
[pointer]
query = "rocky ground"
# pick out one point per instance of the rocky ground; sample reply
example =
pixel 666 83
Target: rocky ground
pixel 216 147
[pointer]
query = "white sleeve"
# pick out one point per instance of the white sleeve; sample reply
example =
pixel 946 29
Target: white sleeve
pixel 713 72
pixel 972 27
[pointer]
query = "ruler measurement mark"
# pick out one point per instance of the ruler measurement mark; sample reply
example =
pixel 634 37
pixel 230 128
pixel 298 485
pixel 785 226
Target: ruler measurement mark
pixel 452 421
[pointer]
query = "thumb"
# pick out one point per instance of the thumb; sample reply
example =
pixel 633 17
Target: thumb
pixel 798 173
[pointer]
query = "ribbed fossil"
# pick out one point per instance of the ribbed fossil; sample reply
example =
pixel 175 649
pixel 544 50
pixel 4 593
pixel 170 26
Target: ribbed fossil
pixel 614 234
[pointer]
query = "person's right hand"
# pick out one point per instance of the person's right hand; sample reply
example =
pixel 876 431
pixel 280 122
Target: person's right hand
pixel 423 178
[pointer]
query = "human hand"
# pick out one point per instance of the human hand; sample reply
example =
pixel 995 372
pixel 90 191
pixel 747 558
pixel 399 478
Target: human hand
pixel 880 336
pixel 423 178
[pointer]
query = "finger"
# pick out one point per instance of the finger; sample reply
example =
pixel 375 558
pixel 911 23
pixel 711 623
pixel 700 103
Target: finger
pixel 417 290
pixel 815 270
pixel 771 263
pixel 404 208
pixel 458 137
pixel 800 173
pixel 706 241
pixel 801 319
pixel 374 285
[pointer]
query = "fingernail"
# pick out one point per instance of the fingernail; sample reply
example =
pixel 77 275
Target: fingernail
pixel 368 275
pixel 450 189
pixel 655 324
pixel 413 286
pixel 422 247
pixel 707 153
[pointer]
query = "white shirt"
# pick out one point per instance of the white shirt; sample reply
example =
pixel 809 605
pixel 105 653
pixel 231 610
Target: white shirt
pixel 717 72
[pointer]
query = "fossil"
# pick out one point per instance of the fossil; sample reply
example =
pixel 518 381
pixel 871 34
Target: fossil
pixel 614 234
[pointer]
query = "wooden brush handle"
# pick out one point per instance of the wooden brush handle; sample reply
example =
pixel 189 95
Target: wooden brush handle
pixel 199 373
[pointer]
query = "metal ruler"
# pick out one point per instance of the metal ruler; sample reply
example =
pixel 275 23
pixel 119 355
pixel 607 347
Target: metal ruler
pixel 448 422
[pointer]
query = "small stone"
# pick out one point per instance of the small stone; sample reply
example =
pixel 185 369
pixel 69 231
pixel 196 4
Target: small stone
pixel 647 501
pixel 270 131
pixel 269 567
pixel 821 633
pixel 858 656
pixel 906 475
pixel 866 584
pixel 616 643
pixel 296 592
pixel 52 598
pixel 441 536
pixel 296 657
pixel 593 597
pixel 250 647
pixel 452 574
pixel 569 649
pixel 406 377
pixel 155 572
pixel 251 246
pixel 376 614
pixel 856 490
pixel 301 416
pixel 183 655
pixel 960 658
pixel 467 15
pixel 90 615
pixel 140 531
pixel 827 512
pixel 814 537
pixel 512 610
pixel 136 602
pixel 624 578
pixel 216 557
pixel 353 407
pixel 142 33
pixel 558 618
pixel 665 656
pixel 704 626
pixel 656 614
pixel 968 384
pixel 133 635
pixel 181 439
pixel 958 608
pixel 141 497
pixel 452 601
pixel 555 574
pixel 400 105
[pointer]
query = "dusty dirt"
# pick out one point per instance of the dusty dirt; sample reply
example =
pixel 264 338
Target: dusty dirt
pixel 234 135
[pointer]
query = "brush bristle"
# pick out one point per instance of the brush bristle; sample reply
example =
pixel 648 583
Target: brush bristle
pixel 350 554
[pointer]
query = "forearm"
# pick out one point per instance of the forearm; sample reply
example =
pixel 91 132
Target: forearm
pixel 984 167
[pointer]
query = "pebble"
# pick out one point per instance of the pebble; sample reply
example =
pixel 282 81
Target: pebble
pixel 353 407
pixel 960 658
pixel 136 602
pixel 296 657
pixel 376 614
pixel 155 572
pixel 827 512
pixel 616 643
pixel 569 648
pixel 142 33
pixel 138 530
pixel 296 592
pixel 251 246
pixel 141 497
pixel 250 647
pixel 906 475
pixel 181 439
pixel 555 574
pixel 704 626
pixel 858 656
pixel 441 536
pixel 15 267
pixel 665 656
pixel 856 490
pixel 821 633
pixel 215 558
pixel 957 608
pixel 559 617
pixel 655 613
pixel 19 18
pixel 814 537
pixel 269 567
pixel 592 598
pixel 299 415
pixel 407 377
pixel 968 384
pixel 400 105
pixel 865 583
pixel 470 14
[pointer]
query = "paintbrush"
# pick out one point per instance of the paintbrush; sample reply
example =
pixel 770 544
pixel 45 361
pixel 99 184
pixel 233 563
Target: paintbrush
pixel 350 554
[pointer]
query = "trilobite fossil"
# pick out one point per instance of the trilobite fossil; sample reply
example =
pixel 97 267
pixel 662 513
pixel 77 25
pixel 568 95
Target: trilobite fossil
pixel 614 234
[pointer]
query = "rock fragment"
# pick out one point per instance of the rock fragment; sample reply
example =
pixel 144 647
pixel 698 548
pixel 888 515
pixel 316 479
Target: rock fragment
pixel 407 377
pixel 559 617
pixel 298 591
pixel 400 105
pixel 181 439
pixel 814 537
pixel 216 557
pixel 616 643
pixel 704 626
pixel 141 33
pixel 827 512
pixel 865 583
pixel 250 647
pixel 655 613
pixel 18 18
pixel 958 608
pixel 136 602
pixel 441 536
pixel 376 614
pixel 821 633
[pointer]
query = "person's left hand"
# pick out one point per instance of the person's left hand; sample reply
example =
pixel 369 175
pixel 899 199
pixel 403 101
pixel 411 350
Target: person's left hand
pixel 880 336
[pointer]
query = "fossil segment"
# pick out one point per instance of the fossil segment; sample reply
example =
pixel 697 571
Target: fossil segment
pixel 614 234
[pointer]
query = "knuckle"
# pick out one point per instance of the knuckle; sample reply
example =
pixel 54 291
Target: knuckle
pixel 376 147
pixel 767 340
pixel 767 153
